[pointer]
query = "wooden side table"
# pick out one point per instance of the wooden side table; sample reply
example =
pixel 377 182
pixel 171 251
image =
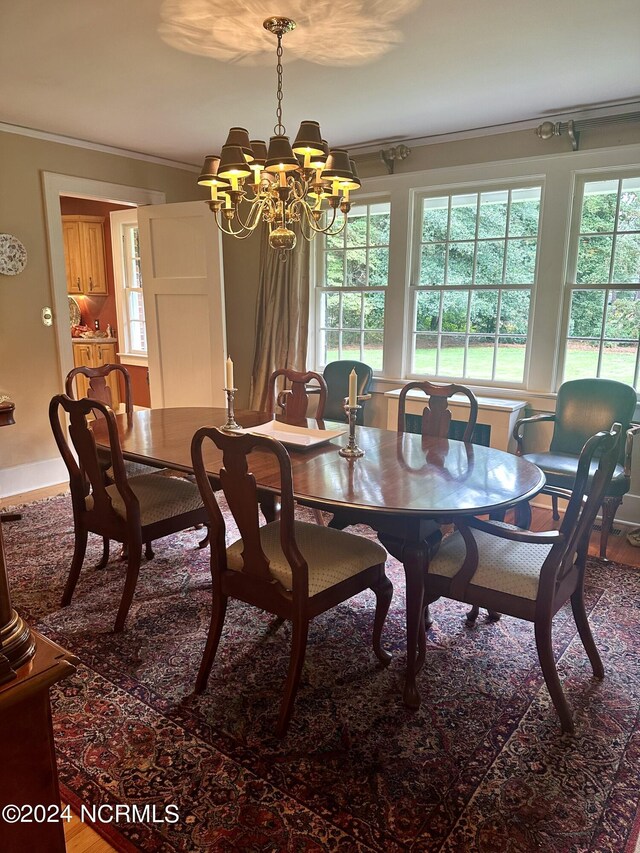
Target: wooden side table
pixel 28 774
pixel 6 418
pixel 29 665
pixel 16 643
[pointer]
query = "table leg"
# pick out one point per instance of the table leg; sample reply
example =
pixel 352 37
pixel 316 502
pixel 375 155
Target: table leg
pixel 414 556
pixel 414 559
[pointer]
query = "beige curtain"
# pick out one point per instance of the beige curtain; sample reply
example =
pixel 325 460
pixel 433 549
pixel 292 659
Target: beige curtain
pixel 282 317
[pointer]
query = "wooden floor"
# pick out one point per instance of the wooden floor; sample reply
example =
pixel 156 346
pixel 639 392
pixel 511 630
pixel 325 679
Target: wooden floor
pixel 81 838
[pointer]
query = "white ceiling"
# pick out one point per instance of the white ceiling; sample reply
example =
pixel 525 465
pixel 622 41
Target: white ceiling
pixel 102 71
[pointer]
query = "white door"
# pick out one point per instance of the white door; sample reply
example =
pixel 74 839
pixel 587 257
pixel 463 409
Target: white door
pixel 181 260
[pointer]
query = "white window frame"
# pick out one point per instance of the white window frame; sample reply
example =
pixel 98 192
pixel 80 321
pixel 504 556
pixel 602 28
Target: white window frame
pixel 415 287
pixel 119 220
pixel 571 284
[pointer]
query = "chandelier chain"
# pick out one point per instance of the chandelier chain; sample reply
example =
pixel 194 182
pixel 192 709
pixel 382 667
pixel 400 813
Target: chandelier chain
pixel 279 128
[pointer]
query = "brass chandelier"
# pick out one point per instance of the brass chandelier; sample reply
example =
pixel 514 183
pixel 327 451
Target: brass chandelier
pixel 283 185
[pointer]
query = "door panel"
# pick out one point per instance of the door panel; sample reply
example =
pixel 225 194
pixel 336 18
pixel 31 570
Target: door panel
pixel 181 260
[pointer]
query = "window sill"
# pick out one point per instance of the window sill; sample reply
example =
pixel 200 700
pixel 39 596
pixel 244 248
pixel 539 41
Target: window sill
pixel 133 360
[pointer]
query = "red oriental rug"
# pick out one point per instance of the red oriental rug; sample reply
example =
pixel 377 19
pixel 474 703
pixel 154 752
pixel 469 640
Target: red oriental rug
pixel 482 766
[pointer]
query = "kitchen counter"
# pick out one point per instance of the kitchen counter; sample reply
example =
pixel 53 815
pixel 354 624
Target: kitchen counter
pixel 93 340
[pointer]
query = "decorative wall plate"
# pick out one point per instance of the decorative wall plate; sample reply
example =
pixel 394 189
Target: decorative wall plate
pixel 13 255
pixel 75 318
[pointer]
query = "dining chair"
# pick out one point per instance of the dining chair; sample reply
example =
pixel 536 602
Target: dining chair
pixel 583 407
pixel 336 375
pixel 132 510
pixel 436 415
pixel 289 568
pixel 436 422
pixel 288 393
pixel 531 575
pixel 98 389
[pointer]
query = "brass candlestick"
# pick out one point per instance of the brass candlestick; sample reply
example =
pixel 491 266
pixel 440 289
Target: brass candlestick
pixel 231 425
pixel 351 451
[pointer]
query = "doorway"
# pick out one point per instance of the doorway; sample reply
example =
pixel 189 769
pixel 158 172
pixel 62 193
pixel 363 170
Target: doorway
pixel 56 186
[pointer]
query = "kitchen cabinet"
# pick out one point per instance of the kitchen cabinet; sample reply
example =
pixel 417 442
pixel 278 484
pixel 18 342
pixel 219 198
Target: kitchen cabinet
pixel 84 255
pixel 89 354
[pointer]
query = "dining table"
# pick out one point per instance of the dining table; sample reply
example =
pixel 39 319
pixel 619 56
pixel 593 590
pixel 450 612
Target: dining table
pixel 403 487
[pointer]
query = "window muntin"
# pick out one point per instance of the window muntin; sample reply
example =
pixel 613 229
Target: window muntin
pixel 476 267
pixel 133 303
pixel 352 280
pixel 604 282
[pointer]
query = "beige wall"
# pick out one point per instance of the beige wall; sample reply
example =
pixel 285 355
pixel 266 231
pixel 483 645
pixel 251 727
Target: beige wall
pixel 28 354
pixel 241 277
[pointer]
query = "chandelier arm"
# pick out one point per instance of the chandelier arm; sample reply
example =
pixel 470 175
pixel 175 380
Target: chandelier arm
pixel 239 235
pixel 311 234
pixel 253 220
pixel 327 228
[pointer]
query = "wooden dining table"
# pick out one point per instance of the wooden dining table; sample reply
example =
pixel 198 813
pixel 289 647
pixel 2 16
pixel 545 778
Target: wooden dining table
pixel 400 487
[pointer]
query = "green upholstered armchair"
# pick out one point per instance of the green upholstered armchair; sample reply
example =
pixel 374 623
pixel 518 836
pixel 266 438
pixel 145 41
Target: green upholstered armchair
pixel 336 375
pixel 584 407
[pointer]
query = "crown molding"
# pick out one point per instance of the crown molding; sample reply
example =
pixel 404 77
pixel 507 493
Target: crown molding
pixel 60 139
pixel 373 146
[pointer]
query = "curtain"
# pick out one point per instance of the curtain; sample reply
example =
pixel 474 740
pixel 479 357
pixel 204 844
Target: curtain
pixel 282 317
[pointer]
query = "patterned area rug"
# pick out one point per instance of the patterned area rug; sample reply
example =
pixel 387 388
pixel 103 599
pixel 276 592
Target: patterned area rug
pixel 481 767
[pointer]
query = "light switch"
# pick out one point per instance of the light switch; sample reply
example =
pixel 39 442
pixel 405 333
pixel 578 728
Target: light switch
pixel 47 316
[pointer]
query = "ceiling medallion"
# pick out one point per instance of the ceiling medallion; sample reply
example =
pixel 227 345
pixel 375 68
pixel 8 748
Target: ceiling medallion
pixel 305 184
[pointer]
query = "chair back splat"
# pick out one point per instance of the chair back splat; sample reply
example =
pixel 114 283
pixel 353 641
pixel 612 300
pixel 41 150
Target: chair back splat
pixel 290 568
pixel 436 415
pixel 292 398
pixel 98 388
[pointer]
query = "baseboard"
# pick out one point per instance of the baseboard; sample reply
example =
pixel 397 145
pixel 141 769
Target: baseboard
pixel 34 475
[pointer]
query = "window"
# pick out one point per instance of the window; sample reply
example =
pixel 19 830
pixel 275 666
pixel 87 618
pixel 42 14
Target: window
pixel 133 301
pixel 513 275
pixel 475 261
pixel 604 281
pixel 352 280
pixel 128 281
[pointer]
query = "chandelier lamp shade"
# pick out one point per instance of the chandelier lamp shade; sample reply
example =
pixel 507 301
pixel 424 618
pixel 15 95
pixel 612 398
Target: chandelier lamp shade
pixel 281 184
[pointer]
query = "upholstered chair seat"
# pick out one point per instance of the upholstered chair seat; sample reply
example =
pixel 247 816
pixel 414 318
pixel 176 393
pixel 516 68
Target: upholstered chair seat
pixel 560 470
pixel 159 497
pixel 508 567
pixel 332 556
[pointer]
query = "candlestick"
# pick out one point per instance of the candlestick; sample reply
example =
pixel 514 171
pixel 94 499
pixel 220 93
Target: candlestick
pixel 231 425
pixel 353 389
pixel 351 451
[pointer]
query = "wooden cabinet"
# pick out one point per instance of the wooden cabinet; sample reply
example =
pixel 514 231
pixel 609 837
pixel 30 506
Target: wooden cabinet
pixel 84 255
pixel 96 355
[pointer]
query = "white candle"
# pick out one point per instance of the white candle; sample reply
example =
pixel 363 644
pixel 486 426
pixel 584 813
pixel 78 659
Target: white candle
pixel 353 388
pixel 229 373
